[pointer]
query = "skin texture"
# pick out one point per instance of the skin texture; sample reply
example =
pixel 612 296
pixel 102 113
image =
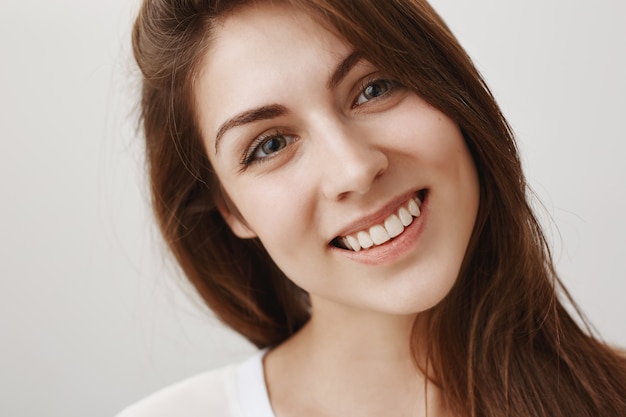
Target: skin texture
pixel 342 156
pixel 500 341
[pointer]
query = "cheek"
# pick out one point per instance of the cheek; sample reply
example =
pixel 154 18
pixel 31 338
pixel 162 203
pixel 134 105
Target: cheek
pixel 423 131
pixel 277 208
pixel 439 144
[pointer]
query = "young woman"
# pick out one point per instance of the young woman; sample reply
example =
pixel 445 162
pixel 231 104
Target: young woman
pixel 336 180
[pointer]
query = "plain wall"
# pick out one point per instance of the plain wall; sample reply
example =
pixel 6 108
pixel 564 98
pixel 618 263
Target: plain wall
pixel 93 314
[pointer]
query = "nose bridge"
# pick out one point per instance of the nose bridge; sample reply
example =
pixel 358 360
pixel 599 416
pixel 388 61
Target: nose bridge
pixel 349 158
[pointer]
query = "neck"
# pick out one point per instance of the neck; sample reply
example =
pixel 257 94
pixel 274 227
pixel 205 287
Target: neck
pixel 353 335
pixel 354 360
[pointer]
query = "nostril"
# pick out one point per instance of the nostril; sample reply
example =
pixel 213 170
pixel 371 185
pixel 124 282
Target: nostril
pixel 380 173
pixel 352 169
pixel 342 196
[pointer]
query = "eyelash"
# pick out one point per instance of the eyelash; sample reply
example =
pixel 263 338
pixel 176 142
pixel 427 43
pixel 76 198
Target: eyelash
pixel 248 157
pixel 391 84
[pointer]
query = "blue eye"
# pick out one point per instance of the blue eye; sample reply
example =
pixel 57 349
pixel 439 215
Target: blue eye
pixel 268 145
pixel 374 89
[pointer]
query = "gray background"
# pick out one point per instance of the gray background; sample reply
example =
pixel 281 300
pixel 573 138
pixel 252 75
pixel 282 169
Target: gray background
pixel 93 314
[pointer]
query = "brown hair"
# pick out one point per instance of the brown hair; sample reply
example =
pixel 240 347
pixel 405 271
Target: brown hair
pixel 501 342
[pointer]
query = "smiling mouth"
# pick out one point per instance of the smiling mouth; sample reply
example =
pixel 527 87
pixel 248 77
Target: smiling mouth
pixel 379 234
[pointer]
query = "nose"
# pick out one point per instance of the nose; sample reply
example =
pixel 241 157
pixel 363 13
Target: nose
pixel 351 163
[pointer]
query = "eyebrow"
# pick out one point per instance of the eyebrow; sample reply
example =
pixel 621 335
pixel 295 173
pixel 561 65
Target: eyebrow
pixel 343 69
pixel 273 111
pixel 249 116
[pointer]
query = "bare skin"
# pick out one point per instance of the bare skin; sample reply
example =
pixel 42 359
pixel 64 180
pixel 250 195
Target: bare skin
pixel 365 369
pixel 308 156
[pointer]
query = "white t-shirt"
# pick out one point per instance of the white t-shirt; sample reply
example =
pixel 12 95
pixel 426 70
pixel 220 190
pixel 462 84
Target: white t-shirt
pixel 234 391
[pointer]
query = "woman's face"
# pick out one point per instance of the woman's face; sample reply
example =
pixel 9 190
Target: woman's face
pixel 321 153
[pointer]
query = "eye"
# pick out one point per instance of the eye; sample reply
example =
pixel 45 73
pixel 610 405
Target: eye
pixel 271 145
pixel 267 146
pixel 373 90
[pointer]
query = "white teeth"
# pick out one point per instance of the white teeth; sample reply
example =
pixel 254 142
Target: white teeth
pixel 343 243
pixel 354 243
pixel 379 235
pixel 405 217
pixel 364 240
pixel 413 208
pixel 392 227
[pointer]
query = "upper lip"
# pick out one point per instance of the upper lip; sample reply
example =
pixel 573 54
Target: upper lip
pixel 377 217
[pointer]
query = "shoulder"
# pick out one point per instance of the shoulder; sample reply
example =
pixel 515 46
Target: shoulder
pixel 210 393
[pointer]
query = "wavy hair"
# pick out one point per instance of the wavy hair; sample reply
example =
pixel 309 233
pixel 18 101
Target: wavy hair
pixel 501 342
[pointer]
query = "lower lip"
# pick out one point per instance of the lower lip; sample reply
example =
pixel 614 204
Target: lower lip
pixel 393 249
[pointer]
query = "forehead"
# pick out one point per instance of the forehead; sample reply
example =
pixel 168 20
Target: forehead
pixel 257 51
pixel 268 21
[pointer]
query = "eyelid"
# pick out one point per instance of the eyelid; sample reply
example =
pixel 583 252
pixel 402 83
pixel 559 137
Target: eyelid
pixel 368 81
pixel 247 158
